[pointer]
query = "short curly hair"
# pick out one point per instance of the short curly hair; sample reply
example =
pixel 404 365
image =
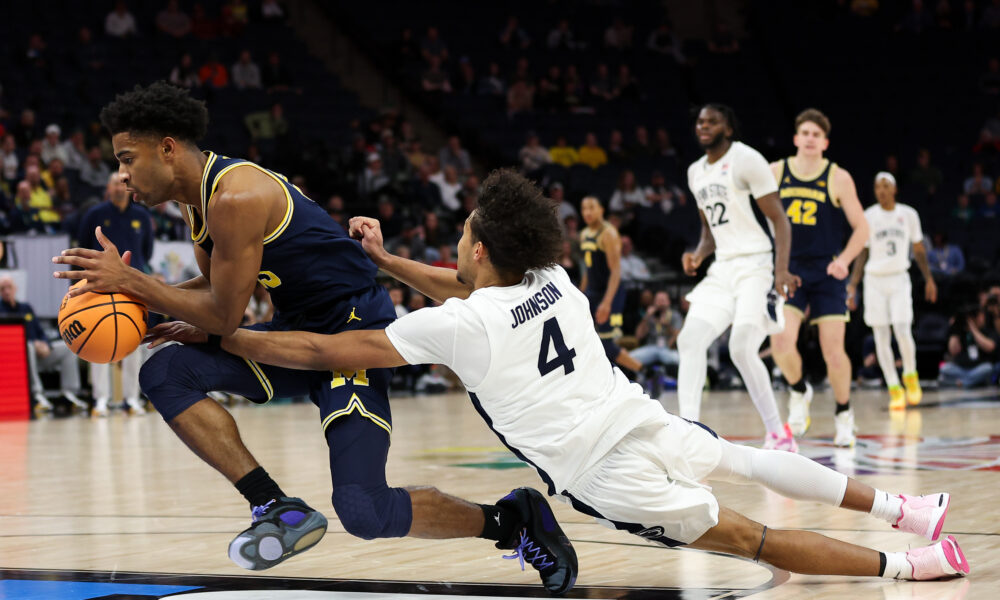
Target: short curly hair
pixel 517 224
pixel 159 109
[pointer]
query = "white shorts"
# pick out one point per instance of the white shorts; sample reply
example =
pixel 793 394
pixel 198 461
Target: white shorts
pixel 734 292
pixel 888 299
pixel 648 484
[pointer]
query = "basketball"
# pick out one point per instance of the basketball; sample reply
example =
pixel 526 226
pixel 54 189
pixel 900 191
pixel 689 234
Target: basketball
pixel 101 327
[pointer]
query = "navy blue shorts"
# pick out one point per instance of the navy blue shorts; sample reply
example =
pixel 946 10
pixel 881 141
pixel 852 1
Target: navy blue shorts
pixel 613 325
pixel 824 295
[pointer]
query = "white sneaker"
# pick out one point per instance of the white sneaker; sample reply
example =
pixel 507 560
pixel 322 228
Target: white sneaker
pixel 798 410
pixel 844 436
pixel 100 408
pixel 41 402
pixel 74 400
pixel 135 406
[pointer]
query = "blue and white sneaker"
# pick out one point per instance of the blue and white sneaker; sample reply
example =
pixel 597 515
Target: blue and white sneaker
pixel 540 541
pixel 281 529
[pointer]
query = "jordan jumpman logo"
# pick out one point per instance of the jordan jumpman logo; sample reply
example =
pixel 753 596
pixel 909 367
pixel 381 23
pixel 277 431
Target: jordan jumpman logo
pixel 352 316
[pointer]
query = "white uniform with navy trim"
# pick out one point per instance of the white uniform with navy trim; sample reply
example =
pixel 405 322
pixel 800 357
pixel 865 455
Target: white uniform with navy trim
pixel 734 291
pixel 537 372
pixel 887 288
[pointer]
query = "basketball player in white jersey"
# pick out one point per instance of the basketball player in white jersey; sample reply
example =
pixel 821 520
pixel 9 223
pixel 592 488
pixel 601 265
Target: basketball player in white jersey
pixel 894 228
pixel 520 336
pixel 725 181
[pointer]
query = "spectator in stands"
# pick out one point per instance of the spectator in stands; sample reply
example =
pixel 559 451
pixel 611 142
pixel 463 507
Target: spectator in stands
pixel 513 36
pixel 184 73
pixel 120 23
pixel 657 333
pixel 168 223
pixel 562 38
pixel 95 171
pixel 573 89
pixel 601 86
pixel 43 355
pixel 445 259
pixel 275 76
pixel 450 188
pixel 394 161
pixel 925 176
pixel 336 209
pixel 466 81
pixel 387 215
pixel 246 73
pixel 590 153
pixel 203 26
pixel 520 97
pixel 641 146
pixel 533 156
pixel 22 217
pixel 563 154
pixel 9 162
pixel 426 192
pixel 52 146
pixel 618 35
pixel 271 11
pixel 617 155
pixel 569 263
pixel 634 269
pixel 972 343
pixel 723 40
pixel 87 55
pixel 492 84
pixel 989 209
pixel 564 209
pixel 945 259
pixel 432 46
pixel 373 179
pixel 892 166
pixel 41 198
pixel 550 90
pixel 26 130
pixel 172 21
pixel 396 295
pixel 963 211
pixel 235 16
pixel 627 194
pixel 989 82
pixel 626 85
pixel 664 146
pixel 213 73
pixel 36 57
pixel 415 154
pixel 663 41
pixel 917 20
pixel 661 194
pixel 269 130
pixel 979 183
pixel 453 154
pixel 991 16
pixel 434 80
pixel 52 172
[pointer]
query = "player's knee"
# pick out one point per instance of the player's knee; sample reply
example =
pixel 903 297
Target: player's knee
pixel 373 510
pixel 688 340
pixel 162 378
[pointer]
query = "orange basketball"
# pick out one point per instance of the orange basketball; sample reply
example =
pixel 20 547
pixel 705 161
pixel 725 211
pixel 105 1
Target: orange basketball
pixel 102 328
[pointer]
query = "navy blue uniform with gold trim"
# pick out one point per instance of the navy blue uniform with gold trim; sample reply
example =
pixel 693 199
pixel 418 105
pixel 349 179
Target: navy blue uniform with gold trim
pixel 320 280
pixel 819 228
pixel 596 262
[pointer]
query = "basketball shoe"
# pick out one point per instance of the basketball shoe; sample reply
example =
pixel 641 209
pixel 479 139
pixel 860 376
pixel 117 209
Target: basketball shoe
pixel 798 410
pixel 845 429
pixel 134 406
pixel 913 391
pixel 100 408
pixel 74 400
pixel 783 441
pixel 897 398
pixel 42 404
pixel 942 559
pixel 923 515
pixel 281 529
pixel 540 541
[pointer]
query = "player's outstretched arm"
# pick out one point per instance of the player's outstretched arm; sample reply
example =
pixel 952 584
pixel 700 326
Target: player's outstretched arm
pixel 847 195
pixel 359 349
pixel 437 283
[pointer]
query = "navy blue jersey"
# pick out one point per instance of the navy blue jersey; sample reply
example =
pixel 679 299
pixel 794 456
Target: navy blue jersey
pixel 595 260
pixel 130 229
pixel 818 223
pixel 309 262
pixel 32 330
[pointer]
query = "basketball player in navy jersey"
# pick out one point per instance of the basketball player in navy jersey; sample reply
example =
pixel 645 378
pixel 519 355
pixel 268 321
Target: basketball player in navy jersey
pixel 822 204
pixel 602 256
pixel 250 225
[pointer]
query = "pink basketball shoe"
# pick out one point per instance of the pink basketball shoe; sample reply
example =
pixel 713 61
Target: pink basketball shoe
pixel 785 441
pixel 943 559
pixel 923 515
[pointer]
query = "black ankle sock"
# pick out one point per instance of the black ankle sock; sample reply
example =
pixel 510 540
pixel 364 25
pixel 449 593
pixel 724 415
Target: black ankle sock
pixel 799 386
pixel 881 564
pixel 258 487
pixel 842 407
pixel 499 523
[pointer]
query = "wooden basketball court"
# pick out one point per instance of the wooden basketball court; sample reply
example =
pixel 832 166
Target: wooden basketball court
pixel 119 508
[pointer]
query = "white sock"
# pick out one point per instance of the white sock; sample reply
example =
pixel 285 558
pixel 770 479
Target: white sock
pixel 896 566
pixel 888 507
pixel 744 350
pixel 692 344
pixel 907 347
pixel 883 351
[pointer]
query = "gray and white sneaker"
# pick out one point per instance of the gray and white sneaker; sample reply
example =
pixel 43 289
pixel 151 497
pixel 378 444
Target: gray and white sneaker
pixel 281 529
pixel 798 410
pixel 100 408
pixel 76 402
pixel 42 404
pixel 845 429
pixel 135 406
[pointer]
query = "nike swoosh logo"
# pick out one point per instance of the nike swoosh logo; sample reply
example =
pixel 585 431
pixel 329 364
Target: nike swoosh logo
pixel 497 517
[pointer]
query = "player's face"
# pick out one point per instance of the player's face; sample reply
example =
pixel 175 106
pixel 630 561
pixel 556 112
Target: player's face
pixel 885 192
pixel 464 258
pixel 591 211
pixel 142 167
pixel 810 139
pixel 711 128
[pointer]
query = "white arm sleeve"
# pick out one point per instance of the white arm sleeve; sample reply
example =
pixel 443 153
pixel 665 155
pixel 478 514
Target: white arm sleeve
pixel 449 335
pixel 751 172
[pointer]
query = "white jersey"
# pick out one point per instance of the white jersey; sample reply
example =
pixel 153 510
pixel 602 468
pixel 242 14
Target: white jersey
pixel 891 235
pixel 723 190
pixel 535 369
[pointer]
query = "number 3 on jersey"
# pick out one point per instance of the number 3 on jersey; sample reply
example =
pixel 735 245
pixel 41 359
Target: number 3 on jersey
pixel 552 336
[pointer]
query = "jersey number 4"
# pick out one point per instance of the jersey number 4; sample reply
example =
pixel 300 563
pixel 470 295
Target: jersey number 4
pixel 552 336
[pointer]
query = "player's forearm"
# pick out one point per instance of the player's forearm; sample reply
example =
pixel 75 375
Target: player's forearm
pixel 199 307
pixel 196 283
pixel 782 243
pixel 289 349
pixel 436 282
pixel 614 280
pixel 856 243
pixel 920 257
pixel 859 268
pixel 706 244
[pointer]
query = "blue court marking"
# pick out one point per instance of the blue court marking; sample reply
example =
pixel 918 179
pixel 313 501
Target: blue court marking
pixel 27 589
